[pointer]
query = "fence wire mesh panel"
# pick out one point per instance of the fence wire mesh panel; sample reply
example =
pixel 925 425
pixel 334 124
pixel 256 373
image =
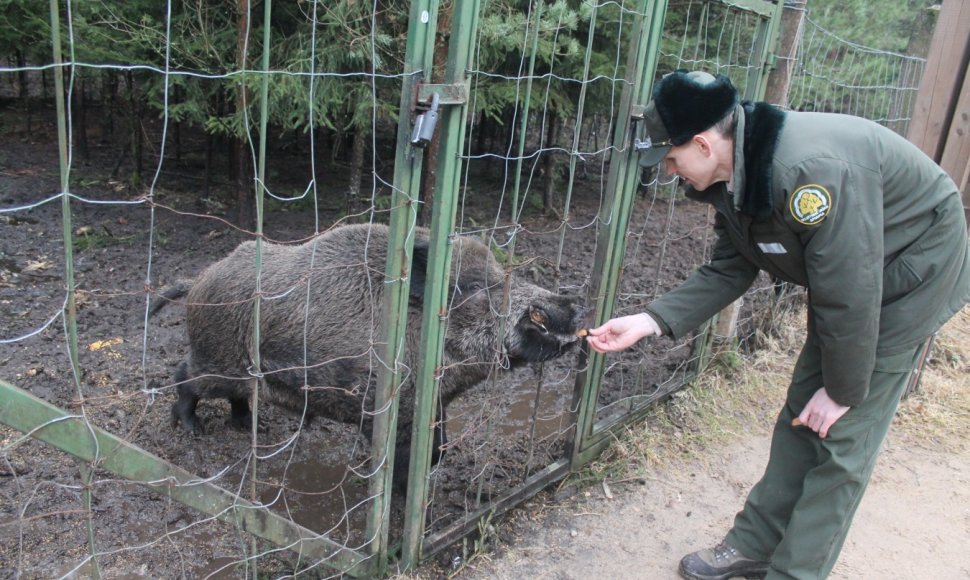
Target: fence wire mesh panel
pixel 545 94
pixel 204 368
pixel 191 129
pixel 834 75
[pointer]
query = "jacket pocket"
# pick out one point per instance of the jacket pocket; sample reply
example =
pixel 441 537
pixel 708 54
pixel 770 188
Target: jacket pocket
pixel 917 262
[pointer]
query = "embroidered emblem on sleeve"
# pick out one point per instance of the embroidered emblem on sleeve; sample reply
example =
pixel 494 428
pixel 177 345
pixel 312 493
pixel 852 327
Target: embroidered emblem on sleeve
pixel 810 204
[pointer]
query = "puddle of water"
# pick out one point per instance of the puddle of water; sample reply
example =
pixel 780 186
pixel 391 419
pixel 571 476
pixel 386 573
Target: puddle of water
pixel 516 418
pixel 320 496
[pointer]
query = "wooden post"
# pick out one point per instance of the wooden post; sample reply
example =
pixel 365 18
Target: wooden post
pixel 779 79
pixel 941 116
pixel 955 158
pixel 946 68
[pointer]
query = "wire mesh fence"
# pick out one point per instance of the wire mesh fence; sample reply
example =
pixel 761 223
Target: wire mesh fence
pixel 837 76
pixel 174 123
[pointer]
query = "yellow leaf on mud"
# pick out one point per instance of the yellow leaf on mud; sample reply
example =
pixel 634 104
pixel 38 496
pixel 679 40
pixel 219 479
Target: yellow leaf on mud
pixel 100 344
pixel 38 265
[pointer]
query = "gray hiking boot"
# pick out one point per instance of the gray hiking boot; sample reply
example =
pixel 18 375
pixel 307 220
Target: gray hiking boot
pixel 720 563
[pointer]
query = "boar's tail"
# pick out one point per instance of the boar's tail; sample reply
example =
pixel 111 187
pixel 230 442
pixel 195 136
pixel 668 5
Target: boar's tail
pixel 168 294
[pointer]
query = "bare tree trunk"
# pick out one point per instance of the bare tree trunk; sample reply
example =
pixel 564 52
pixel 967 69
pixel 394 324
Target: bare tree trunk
pixel 177 141
pixel 24 89
pixel 81 117
pixel 919 45
pixel 109 93
pixel 207 171
pixel 428 177
pixel 356 169
pixel 245 212
pixel 134 128
pixel 551 166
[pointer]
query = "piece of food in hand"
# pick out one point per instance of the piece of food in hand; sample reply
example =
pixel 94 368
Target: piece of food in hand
pixel 796 422
pixel 582 332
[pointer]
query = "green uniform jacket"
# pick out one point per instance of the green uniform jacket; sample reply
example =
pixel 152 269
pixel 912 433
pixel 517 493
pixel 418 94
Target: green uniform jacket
pixel 871 226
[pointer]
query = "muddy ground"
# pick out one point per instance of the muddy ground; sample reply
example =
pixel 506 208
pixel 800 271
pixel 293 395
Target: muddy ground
pixel 501 432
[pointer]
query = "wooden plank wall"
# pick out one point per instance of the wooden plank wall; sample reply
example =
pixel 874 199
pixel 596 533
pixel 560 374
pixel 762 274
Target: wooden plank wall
pixel 940 124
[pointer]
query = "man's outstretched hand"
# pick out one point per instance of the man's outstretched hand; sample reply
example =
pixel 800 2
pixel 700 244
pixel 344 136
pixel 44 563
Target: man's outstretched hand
pixel 621 333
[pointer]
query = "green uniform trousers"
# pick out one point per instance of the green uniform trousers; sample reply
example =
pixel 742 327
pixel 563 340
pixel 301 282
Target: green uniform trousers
pixel 798 515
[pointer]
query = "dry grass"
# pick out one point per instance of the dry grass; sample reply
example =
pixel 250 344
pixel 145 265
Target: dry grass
pixel 937 414
pixel 742 395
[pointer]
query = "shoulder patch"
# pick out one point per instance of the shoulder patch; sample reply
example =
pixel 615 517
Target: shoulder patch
pixel 809 204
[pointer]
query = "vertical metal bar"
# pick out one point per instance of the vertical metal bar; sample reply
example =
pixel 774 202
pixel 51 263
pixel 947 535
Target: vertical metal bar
pixel 70 308
pixel 447 183
pixel 260 193
pixel 615 213
pixel 422 24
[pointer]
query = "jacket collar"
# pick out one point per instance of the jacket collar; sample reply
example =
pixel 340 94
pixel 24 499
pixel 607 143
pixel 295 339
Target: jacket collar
pixel 755 141
pixel 738 178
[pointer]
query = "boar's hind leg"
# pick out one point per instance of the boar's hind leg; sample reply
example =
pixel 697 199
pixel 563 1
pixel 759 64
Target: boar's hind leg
pixel 191 389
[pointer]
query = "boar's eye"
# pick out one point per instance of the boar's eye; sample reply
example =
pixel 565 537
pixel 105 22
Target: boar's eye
pixel 539 317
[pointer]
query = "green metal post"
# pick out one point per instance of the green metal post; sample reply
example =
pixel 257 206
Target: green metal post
pixel 70 314
pixel 422 25
pixel 615 213
pixel 70 309
pixel 447 183
pixel 260 192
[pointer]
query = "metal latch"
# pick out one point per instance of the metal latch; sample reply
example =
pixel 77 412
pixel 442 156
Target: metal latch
pixel 636 115
pixel 430 97
pixel 425 123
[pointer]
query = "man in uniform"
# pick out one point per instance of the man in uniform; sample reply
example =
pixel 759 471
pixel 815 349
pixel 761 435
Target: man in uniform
pixel 875 231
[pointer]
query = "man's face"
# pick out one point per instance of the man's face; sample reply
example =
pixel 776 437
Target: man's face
pixel 693 162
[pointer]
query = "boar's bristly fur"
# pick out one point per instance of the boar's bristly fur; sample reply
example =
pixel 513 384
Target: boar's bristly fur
pixel 320 316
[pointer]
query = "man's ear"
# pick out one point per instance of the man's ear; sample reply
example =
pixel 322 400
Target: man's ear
pixel 704 144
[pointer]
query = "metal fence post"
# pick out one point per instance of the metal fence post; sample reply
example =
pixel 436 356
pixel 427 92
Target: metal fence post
pixel 447 183
pixel 70 305
pixel 422 24
pixel 614 215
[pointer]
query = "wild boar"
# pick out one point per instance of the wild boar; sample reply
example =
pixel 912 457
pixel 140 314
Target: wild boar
pixel 319 325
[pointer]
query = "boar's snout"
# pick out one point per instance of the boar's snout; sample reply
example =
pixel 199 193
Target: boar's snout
pixel 546 327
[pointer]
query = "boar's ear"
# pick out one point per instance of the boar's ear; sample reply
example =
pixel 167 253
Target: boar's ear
pixel 419 268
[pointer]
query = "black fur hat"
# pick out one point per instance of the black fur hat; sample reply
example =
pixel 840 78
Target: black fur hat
pixel 684 104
